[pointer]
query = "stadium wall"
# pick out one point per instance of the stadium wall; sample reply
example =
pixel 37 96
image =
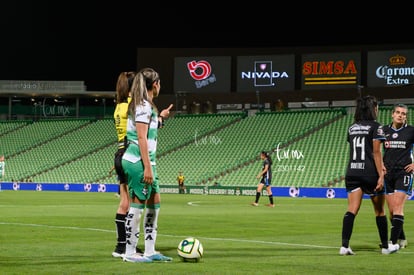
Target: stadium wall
pixel 294 192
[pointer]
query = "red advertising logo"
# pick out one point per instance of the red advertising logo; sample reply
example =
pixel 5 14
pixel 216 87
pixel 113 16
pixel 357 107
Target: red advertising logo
pixel 331 70
pixel 199 70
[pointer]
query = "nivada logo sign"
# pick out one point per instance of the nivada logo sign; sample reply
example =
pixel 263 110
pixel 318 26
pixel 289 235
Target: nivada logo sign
pixel 390 68
pixel 330 70
pixel 202 74
pixel 265 73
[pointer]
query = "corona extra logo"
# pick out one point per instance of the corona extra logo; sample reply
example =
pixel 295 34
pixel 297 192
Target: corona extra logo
pixel 397 60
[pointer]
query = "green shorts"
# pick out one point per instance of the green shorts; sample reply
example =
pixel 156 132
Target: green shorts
pixel 135 175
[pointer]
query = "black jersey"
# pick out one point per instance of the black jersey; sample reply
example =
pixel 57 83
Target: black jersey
pixel 360 139
pixel 268 174
pixel 398 147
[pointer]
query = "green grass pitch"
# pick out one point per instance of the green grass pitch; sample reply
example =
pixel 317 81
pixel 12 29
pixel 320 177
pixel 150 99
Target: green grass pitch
pixel 74 233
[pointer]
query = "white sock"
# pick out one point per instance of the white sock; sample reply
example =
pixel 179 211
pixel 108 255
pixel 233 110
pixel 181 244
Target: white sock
pixel 150 227
pixel 132 226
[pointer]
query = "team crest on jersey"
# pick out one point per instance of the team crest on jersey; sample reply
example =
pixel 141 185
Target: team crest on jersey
pixel 395 135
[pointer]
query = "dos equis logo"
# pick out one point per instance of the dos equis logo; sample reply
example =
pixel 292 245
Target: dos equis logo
pixel 200 71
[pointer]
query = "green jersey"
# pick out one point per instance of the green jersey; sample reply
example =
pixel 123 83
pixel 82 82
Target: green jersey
pixel 144 114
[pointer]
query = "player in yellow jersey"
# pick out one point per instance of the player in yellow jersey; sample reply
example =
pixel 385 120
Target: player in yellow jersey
pixel 123 98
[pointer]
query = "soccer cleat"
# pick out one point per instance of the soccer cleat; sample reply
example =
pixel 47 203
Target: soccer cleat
pixel 137 258
pixel 254 204
pixel 119 251
pixel 346 251
pixel 117 254
pixel 270 205
pixel 392 248
pixel 402 243
pixel 158 257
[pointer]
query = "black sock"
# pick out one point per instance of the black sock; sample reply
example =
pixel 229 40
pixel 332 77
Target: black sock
pixel 120 228
pixel 347 227
pixel 271 199
pixel 382 225
pixel 402 234
pixel 257 197
pixel 397 225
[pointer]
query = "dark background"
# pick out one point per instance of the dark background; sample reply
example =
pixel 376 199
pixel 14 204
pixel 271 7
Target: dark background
pixel 94 41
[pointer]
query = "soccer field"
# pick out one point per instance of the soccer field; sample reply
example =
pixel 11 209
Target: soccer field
pixel 74 233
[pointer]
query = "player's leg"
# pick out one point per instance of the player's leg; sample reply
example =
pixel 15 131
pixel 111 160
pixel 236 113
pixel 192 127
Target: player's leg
pixel 151 225
pixel 354 203
pixel 138 196
pixel 258 193
pixel 270 194
pixel 120 217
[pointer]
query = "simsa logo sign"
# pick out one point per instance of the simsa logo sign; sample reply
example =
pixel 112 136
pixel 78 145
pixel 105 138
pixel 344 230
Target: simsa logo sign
pixel 337 70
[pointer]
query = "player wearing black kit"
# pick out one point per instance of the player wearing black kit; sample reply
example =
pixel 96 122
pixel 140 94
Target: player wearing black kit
pixel 398 162
pixel 365 173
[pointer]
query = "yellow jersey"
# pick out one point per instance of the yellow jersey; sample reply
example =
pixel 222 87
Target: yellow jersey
pixel 120 119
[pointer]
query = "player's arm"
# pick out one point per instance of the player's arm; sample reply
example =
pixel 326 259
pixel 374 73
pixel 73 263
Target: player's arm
pixel 112 169
pixel 142 132
pixel 164 114
pixel 264 171
pixel 379 165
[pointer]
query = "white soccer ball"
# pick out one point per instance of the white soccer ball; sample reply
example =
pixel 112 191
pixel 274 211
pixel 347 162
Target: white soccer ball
pixel 190 250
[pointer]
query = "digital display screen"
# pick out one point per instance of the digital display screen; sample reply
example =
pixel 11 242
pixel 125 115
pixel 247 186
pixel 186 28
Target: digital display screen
pixel 211 74
pixel 331 70
pixel 390 68
pixel 265 73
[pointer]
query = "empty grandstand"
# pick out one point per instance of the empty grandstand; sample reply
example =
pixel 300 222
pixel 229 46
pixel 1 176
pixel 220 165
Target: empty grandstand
pixel 308 147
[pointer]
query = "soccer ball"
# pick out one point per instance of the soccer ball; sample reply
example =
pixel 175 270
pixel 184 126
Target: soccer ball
pixel 190 250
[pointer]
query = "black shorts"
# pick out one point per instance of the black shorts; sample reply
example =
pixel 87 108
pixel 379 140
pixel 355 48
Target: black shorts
pixel 367 184
pixel 398 181
pixel 266 181
pixel 118 166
